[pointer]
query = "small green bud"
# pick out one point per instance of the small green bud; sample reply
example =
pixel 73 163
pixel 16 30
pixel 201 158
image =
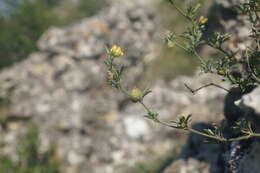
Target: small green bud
pixel 110 76
pixel 221 72
pixel 170 44
pixel 136 95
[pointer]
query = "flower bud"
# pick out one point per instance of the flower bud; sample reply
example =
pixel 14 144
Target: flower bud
pixel 136 95
pixel 203 20
pixel 110 76
pixel 170 44
pixel 221 72
pixel 116 51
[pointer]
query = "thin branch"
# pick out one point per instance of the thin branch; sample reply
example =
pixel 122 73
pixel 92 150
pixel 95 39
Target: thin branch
pixel 156 119
pixel 220 139
pixel 145 107
pixel 123 89
pixel 250 69
pixel 166 124
pixel 221 50
pixel 256 134
pixel 239 138
pixel 180 46
pixel 194 52
pixel 206 135
pixel 179 10
pixel 224 139
pixel 199 57
pixel 205 86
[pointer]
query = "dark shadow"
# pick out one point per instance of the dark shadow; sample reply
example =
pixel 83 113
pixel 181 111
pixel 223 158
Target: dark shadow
pixel 198 149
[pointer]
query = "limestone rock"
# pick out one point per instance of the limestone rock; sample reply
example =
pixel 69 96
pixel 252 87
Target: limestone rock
pixel 251 101
pixel 188 166
pixel 63 88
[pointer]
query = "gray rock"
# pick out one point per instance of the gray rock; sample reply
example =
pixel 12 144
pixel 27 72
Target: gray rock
pixel 249 103
pixel 229 3
pixel 251 160
pixel 251 100
pixel 188 166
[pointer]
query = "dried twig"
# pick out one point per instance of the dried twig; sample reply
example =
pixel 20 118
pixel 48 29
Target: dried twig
pixel 205 86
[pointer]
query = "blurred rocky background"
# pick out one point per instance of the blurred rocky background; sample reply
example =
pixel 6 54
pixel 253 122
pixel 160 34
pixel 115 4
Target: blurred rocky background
pixel 57 112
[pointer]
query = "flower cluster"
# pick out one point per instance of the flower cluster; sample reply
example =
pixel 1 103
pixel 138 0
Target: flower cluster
pixel 116 51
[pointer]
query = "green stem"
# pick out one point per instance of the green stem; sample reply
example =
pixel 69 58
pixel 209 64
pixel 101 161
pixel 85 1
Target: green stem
pixel 199 57
pixel 179 10
pixel 224 139
pixel 206 135
pixel 239 138
pixel 219 49
pixel 166 124
pixel 256 134
pixel 145 107
pixel 182 47
pixel 224 52
pixel 123 90
pixel 194 52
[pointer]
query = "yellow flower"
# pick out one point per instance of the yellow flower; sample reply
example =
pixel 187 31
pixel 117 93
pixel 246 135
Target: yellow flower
pixel 116 51
pixel 203 20
pixel 136 95
pixel 221 72
pixel 170 44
